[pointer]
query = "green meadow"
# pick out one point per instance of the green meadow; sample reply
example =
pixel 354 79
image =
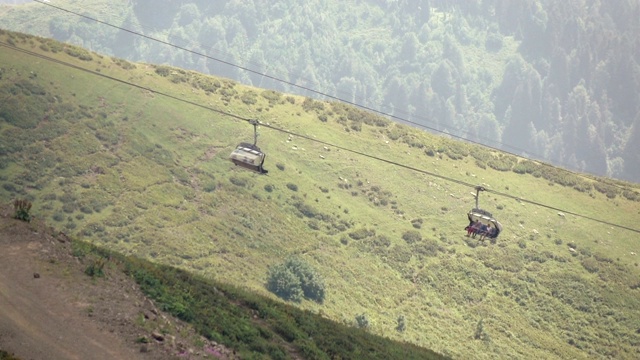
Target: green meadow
pixel 144 174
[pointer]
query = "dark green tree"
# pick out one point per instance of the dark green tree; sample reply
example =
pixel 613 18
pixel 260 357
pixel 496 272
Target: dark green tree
pixel 284 283
pixel 294 280
pixel 631 153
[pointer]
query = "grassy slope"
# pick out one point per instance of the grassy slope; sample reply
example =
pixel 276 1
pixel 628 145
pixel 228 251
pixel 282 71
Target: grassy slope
pixel 146 163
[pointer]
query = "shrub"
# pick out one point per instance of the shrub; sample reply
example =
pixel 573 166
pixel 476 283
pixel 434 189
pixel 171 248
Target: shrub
pixel 402 325
pixel 310 104
pixel 411 236
pixel 295 279
pixel 525 167
pixel 396 131
pixel 10 187
pixel 272 96
pixel 456 151
pixel 58 217
pixel 96 268
pixel 238 181
pixel 249 97
pixel 284 283
pixel 502 163
pixel 280 166
pixel 361 234
pixel 209 187
pixel 362 321
pixel 163 70
pixel 78 53
pixel 631 195
pixel 590 264
pixel 22 208
pixel 428 248
pixel 381 241
pixel 268 188
pixel 606 189
pixel 356 126
pixel 480 333
pixel 307 210
pixel 292 186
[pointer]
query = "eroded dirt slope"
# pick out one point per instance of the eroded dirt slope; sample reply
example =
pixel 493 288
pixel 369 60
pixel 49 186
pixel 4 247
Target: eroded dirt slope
pixel 50 309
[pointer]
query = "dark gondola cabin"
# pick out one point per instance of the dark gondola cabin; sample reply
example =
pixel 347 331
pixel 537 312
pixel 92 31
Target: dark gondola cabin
pixel 485 217
pixel 482 222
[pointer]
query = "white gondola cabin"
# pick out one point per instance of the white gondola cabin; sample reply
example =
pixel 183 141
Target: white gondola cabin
pixel 248 155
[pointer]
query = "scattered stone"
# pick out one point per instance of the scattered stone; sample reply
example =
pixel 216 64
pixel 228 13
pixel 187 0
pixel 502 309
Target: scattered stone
pixel 62 237
pixel 36 275
pixel 156 335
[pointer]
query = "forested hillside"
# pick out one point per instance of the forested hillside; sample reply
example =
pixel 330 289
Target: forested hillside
pixel 550 79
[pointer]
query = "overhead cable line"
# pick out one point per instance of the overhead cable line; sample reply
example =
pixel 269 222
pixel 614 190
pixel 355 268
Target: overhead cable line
pixel 361 153
pixel 322 94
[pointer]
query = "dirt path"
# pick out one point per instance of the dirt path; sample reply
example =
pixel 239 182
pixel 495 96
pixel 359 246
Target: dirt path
pixel 37 321
pixel 50 309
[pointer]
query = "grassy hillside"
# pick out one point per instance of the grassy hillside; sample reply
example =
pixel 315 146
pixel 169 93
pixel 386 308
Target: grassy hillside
pixel 147 175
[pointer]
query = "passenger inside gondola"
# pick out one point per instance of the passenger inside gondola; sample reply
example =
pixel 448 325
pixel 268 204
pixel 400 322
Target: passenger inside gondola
pixel 471 227
pixel 480 230
pixel 486 233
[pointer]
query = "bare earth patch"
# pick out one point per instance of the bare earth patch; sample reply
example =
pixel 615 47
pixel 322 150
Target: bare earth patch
pixel 50 309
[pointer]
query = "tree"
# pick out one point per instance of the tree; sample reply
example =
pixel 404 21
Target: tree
pixel 402 324
pixel 284 283
pixel 443 81
pixel 362 321
pixel 631 154
pixel 295 279
pixel 409 49
pixel 480 333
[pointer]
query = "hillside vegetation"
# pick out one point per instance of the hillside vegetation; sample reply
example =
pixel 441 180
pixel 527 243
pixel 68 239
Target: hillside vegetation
pixel 554 79
pixel 146 174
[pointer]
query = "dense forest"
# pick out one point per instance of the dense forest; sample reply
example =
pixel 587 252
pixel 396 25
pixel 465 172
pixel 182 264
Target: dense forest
pixel 557 80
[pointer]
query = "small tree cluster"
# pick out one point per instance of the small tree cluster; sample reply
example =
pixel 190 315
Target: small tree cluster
pixel 294 280
pixel 402 324
pixel 362 321
pixel 480 333
pixel 22 208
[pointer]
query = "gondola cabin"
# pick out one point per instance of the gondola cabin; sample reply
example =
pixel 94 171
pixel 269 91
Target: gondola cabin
pixel 486 218
pixel 248 156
